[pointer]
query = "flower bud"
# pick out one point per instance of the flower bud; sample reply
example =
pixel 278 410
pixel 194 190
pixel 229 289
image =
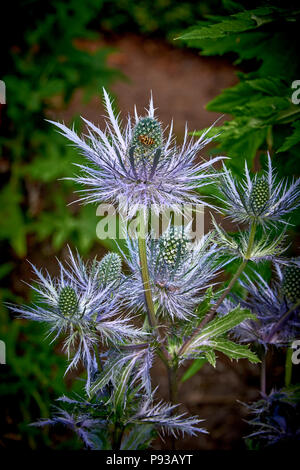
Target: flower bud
pixel 291 283
pixel 109 269
pixel 173 246
pixel 259 196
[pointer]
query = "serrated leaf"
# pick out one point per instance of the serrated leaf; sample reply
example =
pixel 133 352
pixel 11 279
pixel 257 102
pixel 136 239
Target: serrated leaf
pixel 238 22
pixel 234 350
pixel 219 326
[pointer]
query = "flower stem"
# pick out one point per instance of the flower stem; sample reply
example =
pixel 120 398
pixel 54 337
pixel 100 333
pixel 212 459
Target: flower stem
pixel 173 389
pixel 146 282
pixel 214 309
pixel 288 367
pixel 147 290
pixel 173 384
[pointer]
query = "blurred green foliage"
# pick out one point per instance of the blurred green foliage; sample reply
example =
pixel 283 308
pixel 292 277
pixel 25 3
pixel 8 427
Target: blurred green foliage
pixel 263 42
pixel 41 63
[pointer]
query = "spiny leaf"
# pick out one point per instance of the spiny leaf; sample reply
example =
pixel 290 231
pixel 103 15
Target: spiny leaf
pixel 234 350
pixel 221 325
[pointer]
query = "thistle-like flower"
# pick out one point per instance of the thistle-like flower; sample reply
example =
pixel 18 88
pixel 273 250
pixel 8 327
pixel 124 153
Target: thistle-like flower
pixel 269 303
pixel 77 305
pixel 139 166
pixel 259 199
pixel 179 272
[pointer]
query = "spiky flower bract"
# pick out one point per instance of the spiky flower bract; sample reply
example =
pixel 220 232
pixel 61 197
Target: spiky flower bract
pixel 134 416
pixel 179 272
pixel 140 166
pixel 75 305
pixel 269 304
pixel 259 199
pixel 264 246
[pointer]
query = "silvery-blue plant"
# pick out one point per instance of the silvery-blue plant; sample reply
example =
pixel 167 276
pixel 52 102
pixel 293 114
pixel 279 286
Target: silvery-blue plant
pixel 169 303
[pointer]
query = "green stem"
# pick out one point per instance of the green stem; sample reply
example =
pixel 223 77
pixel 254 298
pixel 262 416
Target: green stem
pixel 288 367
pixel 162 353
pixel 213 311
pixel 173 384
pixel 173 390
pixel 146 282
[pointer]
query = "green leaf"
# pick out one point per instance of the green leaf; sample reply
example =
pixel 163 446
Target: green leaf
pixel 238 22
pixel 234 350
pixel 194 368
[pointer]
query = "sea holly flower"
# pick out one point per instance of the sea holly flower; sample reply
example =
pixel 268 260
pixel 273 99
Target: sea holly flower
pixel 269 303
pixel 259 199
pixel 74 305
pixel 179 272
pixel 139 166
pixel 263 247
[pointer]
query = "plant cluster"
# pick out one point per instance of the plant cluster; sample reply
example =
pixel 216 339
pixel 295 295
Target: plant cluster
pixel 166 306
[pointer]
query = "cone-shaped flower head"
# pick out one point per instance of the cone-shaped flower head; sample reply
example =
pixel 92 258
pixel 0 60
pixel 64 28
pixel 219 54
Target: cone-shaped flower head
pixel 291 283
pixel 259 195
pixel 67 301
pixel 147 137
pixel 140 166
pixel 173 246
